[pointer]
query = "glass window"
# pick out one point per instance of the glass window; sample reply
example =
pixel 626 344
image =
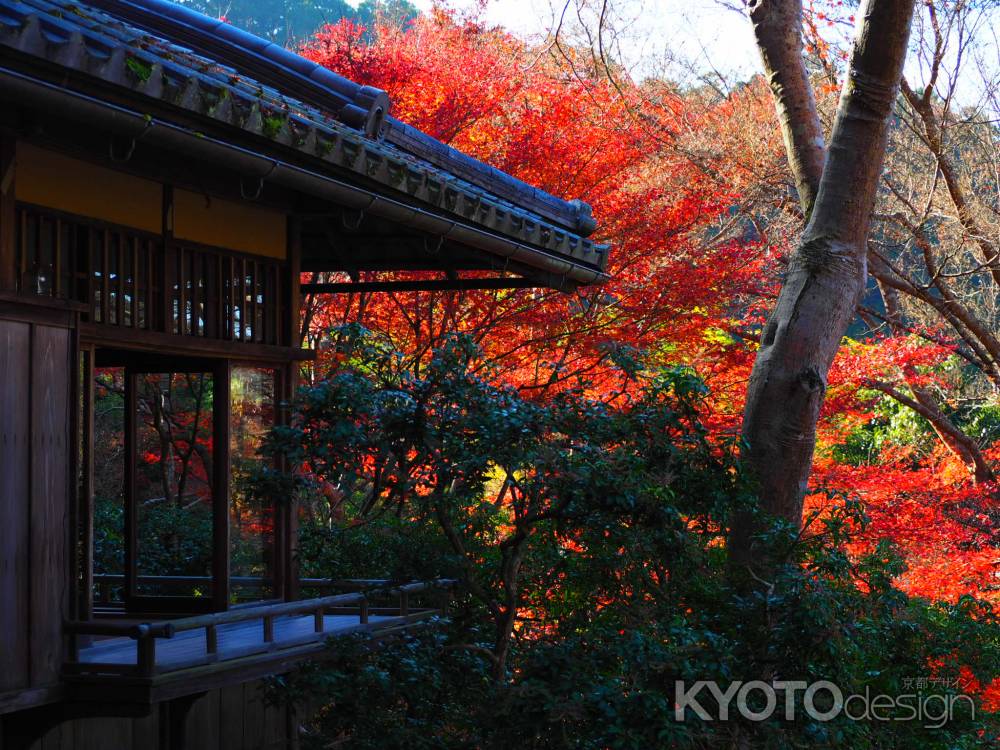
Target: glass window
pixel 160 531
pixel 109 485
pixel 251 523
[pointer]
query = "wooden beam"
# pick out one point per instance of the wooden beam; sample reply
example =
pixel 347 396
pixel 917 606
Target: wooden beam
pixel 30 308
pixel 190 346
pixel 427 285
pixel 8 217
pixel 21 700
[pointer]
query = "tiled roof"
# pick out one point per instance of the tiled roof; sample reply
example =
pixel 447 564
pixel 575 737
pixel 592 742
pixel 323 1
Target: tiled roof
pixel 91 41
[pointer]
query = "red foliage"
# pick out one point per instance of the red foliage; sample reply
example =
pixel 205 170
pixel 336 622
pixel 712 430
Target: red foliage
pixel 676 293
pixel 576 135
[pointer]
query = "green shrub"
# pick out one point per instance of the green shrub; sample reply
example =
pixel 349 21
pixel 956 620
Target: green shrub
pixel 589 541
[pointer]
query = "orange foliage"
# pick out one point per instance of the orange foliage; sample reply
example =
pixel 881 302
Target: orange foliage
pixel 666 175
pixel 575 135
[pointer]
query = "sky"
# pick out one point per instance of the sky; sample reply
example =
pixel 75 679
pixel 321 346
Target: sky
pixel 682 39
pixel 656 34
pixel 704 33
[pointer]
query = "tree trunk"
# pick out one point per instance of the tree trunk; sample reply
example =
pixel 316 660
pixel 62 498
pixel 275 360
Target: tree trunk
pixel 777 26
pixel 828 270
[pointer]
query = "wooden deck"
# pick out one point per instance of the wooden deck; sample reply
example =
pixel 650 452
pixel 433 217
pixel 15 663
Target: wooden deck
pixel 235 641
pixel 132 662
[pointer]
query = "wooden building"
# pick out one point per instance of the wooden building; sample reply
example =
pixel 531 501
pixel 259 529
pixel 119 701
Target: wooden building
pixel 164 180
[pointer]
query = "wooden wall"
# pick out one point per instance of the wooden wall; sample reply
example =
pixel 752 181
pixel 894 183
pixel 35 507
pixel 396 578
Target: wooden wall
pixel 54 180
pixel 37 347
pixel 14 437
pixel 35 494
pixel 47 178
pixel 230 718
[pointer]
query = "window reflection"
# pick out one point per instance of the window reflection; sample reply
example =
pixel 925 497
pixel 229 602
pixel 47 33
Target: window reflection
pixel 173 485
pixel 109 484
pixel 251 523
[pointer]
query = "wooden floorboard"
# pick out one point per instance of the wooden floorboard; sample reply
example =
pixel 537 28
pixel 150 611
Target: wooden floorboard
pixel 234 640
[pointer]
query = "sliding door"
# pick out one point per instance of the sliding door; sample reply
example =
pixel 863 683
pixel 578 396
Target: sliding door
pixel 253 523
pixel 176 527
pixel 175 520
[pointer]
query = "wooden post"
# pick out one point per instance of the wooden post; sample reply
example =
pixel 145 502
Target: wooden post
pixel 75 474
pixel 146 655
pixel 86 503
pixel 289 509
pixel 241 263
pixel 169 271
pixel 291 337
pixel 152 314
pixel 279 542
pixel 89 284
pixel 211 639
pixel 120 254
pixel 73 648
pixel 252 270
pixel 220 489
pixel 133 245
pixel 213 297
pixel 292 313
pixel 131 514
pixel 268 628
pixel 57 243
pixel 318 620
pixel 174 722
pixel 404 603
pixel 105 275
pixel 227 272
pixel 8 216
pixel 364 611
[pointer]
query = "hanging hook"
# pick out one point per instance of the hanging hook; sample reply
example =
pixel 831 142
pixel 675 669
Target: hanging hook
pixel 437 248
pixel 128 151
pixel 131 143
pixel 260 184
pixel 357 224
pixel 257 192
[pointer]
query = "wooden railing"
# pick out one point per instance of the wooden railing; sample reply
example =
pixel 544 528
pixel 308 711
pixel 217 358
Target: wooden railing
pixel 132 279
pixel 356 603
pixel 105 584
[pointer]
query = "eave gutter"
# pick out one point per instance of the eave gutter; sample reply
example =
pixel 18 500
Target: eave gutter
pixel 554 271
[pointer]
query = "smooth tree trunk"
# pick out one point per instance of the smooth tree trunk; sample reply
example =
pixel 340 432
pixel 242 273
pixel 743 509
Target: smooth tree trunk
pixel 777 26
pixel 828 270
